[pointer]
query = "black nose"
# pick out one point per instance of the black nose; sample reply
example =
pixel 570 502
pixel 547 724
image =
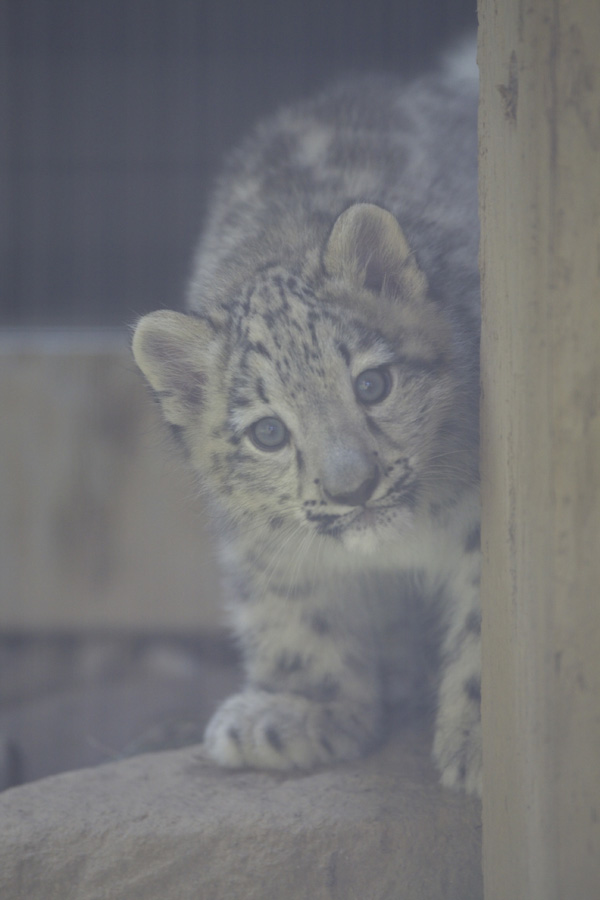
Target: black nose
pixel 358 496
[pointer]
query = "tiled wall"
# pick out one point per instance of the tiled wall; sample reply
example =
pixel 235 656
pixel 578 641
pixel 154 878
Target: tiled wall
pixel 114 115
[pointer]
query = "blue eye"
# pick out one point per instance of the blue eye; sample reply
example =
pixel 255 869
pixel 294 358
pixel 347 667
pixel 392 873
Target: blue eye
pixel 373 385
pixel 269 433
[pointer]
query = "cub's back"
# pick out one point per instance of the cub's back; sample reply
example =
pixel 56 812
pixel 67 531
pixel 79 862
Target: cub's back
pixel 407 146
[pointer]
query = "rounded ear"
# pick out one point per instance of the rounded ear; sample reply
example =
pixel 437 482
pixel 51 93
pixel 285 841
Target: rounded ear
pixel 368 246
pixel 171 350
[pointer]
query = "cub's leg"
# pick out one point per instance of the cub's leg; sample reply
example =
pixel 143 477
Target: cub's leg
pixel 457 743
pixel 313 691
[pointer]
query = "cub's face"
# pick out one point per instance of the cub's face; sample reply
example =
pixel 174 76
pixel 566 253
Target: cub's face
pixel 314 406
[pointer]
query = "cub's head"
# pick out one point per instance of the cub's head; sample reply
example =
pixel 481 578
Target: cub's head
pixel 321 404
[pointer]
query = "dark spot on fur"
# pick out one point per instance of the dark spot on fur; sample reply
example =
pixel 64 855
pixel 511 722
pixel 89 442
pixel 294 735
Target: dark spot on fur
pixel 319 624
pixel 178 433
pixel 287 664
pixel 473 622
pixel 182 380
pixel 407 494
pixel 326 745
pixel 259 347
pixel 376 278
pixel 327 690
pixel 355 664
pixel 345 353
pixel 373 426
pixel 299 460
pixel 265 267
pixel 243 592
pixel 473 541
pixel 234 736
pixel 192 390
pixel 275 522
pixel 472 689
pixel 260 390
pixel 326 523
pixel 274 739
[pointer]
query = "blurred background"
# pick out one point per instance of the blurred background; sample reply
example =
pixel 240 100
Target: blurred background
pixel 114 118
pixel 116 114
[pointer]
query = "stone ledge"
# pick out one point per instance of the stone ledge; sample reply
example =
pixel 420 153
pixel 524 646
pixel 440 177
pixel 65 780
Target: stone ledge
pixel 170 826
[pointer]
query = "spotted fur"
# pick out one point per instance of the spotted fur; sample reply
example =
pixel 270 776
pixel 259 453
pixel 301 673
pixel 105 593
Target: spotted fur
pixel 324 385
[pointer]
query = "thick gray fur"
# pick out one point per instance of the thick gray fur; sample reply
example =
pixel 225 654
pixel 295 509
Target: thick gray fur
pixel 350 549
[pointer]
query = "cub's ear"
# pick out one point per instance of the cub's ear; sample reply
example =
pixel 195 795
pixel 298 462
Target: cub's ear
pixel 368 246
pixel 173 352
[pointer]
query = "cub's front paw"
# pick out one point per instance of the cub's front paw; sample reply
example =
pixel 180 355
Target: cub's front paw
pixel 457 751
pixel 261 730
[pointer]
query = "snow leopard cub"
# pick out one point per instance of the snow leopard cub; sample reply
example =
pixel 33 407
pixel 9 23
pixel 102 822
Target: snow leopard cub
pixel 324 386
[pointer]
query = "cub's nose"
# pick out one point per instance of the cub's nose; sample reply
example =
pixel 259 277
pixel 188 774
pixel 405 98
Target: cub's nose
pixel 356 496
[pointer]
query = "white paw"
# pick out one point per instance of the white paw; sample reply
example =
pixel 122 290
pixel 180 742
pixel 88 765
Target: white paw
pixel 261 730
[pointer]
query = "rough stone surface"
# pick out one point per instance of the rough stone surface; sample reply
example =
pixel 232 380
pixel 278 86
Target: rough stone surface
pixel 170 826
